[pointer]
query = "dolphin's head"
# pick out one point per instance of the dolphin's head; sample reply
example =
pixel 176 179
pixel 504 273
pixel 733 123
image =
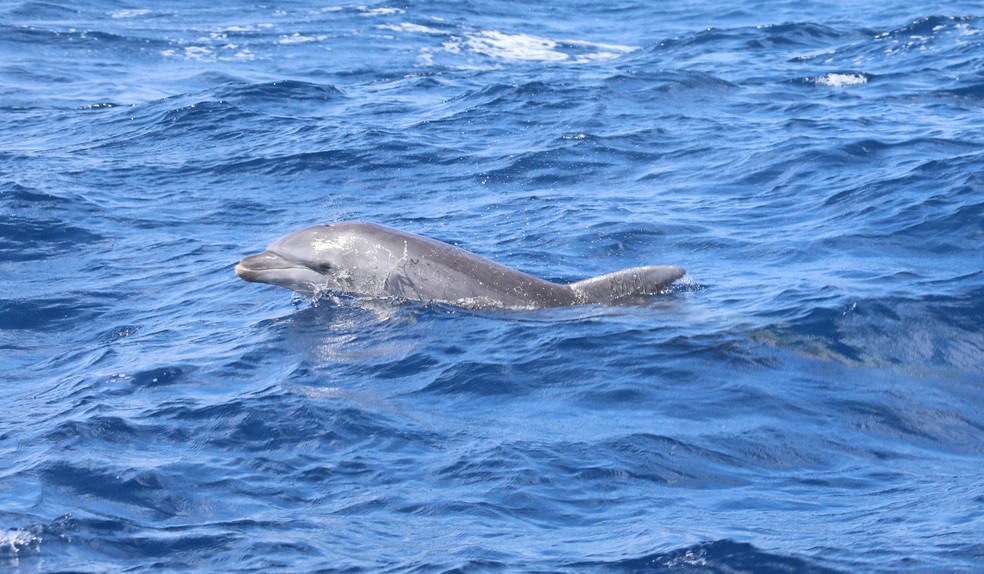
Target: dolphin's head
pixel 313 260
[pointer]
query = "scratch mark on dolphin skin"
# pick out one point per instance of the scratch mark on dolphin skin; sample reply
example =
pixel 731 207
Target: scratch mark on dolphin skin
pixel 622 286
pixel 398 272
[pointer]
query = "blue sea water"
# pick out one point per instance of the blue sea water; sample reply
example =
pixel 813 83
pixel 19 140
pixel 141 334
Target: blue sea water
pixel 810 398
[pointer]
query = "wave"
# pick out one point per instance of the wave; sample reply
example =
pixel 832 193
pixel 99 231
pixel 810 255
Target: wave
pixel 953 39
pixel 914 335
pixel 973 93
pixel 271 97
pixel 466 46
pixel 42 11
pixel 713 557
pixel 42 225
pixel 837 52
pixel 183 547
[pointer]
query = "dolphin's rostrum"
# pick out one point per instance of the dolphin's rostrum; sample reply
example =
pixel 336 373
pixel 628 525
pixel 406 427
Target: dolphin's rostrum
pixel 377 261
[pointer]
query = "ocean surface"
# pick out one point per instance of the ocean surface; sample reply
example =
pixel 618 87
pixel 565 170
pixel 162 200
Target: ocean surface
pixel 809 398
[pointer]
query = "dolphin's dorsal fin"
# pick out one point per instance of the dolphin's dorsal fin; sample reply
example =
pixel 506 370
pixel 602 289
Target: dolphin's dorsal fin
pixel 612 287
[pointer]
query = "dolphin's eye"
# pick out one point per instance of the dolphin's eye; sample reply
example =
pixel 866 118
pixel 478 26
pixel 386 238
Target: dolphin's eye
pixel 323 267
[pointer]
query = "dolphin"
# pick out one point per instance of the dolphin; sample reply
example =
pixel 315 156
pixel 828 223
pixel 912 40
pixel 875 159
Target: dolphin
pixel 377 261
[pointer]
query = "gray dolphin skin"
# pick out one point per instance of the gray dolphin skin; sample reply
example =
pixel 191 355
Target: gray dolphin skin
pixel 377 261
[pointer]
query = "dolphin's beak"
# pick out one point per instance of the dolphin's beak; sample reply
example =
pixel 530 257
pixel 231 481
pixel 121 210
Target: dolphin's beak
pixel 254 267
pixel 243 271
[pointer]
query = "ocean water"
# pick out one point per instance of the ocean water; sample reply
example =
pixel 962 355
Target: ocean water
pixel 810 398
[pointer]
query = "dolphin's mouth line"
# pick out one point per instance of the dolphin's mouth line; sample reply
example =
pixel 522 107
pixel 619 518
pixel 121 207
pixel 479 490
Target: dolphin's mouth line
pixel 263 262
pixel 272 267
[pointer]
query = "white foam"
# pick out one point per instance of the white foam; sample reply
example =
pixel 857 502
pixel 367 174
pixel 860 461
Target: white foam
pixel 297 38
pixel 595 57
pixel 199 53
pixel 245 55
pixel 129 13
pixel 12 542
pixel 841 80
pixel 246 29
pixel 615 48
pixel 515 47
pixel 512 47
pixel 207 54
pixel 380 11
pixel 528 48
pixel 412 28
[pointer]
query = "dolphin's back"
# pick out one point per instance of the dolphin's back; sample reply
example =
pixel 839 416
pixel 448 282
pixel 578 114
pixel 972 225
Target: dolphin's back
pixel 438 271
pixel 626 284
pixel 443 272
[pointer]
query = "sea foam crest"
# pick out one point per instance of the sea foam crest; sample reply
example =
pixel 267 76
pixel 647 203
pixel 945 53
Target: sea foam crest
pixel 515 47
pixel 511 47
pixel 12 542
pixel 525 47
pixel 840 80
pixel 134 13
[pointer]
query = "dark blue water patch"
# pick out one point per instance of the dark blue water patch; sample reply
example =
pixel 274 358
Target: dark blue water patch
pixel 164 376
pixel 948 231
pixel 797 35
pixel 327 160
pixel 779 43
pixel 199 116
pixel 973 94
pixel 23 239
pixel 897 417
pixel 93 544
pixel 105 430
pixel 932 332
pixel 142 489
pixel 244 208
pixel 414 365
pixel 947 37
pixel 479 378
pixel 537 169
pixel 670 462
pixel 701 39
pixel 931 26
pixel 41 314
pixel 32 200
pixel 43 11
pixel 190 412
pixel 173 127
pixel 920 147
pixel 714 557
pixel 247 427
pixel 940 331
pixel 623 238
pixel 641 82
pixel 276 92
pixel 74 540
pixel 67 42
pixel 285 98
pixel 523 100
pixel 527 94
